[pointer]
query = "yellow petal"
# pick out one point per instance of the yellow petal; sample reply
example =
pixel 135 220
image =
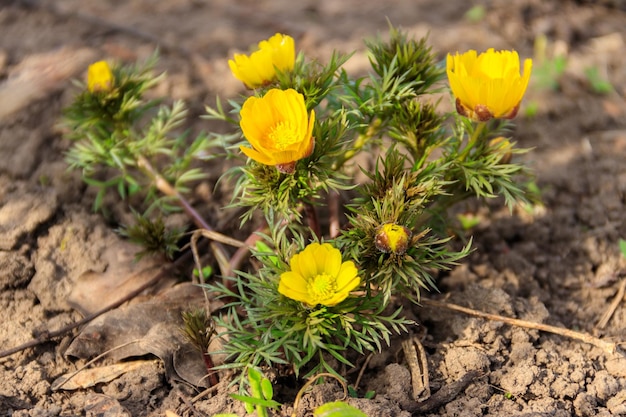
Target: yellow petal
pixel 347 278
pixel 330 259
pixel 292 285
pixel 257 156
pixel 307 262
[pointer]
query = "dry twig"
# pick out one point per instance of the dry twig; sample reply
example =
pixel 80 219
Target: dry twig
pixel 609 347
pixel 606 317
pixel 415 356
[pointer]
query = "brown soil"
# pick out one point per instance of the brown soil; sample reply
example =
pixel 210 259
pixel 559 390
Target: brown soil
pixel 557 264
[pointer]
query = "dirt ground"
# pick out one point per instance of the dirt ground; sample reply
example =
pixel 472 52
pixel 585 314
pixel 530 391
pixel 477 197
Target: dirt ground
pixel 558 263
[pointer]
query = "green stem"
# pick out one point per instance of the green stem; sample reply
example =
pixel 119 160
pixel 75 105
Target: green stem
pixel 472 141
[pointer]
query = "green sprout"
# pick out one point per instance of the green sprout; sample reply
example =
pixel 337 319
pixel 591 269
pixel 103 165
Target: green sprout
pixel 548 71
pixel 261 393
pixel 598 83
pixel 476 13
pixel 338 409
pixel 468 220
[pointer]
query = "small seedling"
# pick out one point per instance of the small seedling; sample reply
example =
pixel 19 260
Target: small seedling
pixel 207 271
pixel 531 109
pixel 468 220
pixel 352 393
pixel 261 393
pixel 548 73
pixel 598 83
pixel 338 409
pixel 264 249
pixel 476 13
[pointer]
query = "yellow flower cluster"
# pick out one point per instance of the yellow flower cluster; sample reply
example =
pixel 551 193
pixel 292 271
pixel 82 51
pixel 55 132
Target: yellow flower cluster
pixel 318 276
pixel 259 68
pixel 488 85
pixel 277 125
pixel 99 77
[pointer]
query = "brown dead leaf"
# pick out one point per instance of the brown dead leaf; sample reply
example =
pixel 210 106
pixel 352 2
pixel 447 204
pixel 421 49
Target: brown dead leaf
pixel 150 327
pixel 90 377
pixel 100 405
pixel 94 291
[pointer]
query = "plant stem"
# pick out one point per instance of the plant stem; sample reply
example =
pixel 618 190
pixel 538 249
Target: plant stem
pixel 166 188
pixel 472 140
pixel 313 221
pixel 212 373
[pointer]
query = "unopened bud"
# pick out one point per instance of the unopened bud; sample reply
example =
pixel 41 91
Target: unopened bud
pixel 99 77
pixel 502 146
pixel 391 237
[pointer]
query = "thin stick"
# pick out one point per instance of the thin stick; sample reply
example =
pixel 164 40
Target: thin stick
pixel 208 391
pixel 418 365
pixel 244 251
pixel 310 382
pixel 362 371
pixel 608 347
pixel 604 320
pixel 94 360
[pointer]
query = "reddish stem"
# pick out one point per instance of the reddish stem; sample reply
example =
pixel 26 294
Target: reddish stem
pixel 312 220
pixel 212 373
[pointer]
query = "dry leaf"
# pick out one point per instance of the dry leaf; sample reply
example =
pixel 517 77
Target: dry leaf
pixel 89 377
pixel 150 327
pixel 93 291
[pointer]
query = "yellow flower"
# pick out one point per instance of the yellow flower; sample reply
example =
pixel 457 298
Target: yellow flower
pixel 391 237
pixel 258 69
pixel 488 85
pixel 318 276
pixel 99 77
pixel 278 128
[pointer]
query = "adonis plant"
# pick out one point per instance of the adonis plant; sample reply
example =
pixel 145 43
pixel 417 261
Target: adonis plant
pixel 335 240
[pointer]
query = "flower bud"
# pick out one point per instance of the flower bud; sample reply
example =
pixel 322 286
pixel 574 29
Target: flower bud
pixel 393 238
pixel 501 146
pixel 99 77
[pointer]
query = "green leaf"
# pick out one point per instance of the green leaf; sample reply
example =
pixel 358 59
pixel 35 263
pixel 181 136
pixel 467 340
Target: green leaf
pixel 338 409
pixel 256 401
pixel 267 389
pixel 207 271
pixel 622 246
